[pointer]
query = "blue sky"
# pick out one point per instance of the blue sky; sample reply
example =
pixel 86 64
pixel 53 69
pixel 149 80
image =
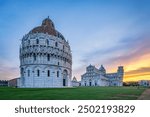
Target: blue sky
pixel 105 32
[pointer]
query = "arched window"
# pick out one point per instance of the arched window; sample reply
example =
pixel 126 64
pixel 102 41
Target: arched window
pixel 56 44
pixel 48 57
pixel 37 41
pixel 34 56
pixel 57 73
pixel 48 73
pixel 28 42
pixel 85 83
pixel 22 71
pixel 90 82
pixel 38 72
pixel 28 73
pixel 47 41
pixel 95 83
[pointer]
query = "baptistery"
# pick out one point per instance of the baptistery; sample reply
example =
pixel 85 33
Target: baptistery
pixel 45 58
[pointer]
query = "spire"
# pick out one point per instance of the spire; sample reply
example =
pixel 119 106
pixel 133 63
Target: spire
pixel 102 69
pixel 74 78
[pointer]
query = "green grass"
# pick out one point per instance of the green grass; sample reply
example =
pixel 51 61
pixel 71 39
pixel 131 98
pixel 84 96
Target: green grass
pixel 79 93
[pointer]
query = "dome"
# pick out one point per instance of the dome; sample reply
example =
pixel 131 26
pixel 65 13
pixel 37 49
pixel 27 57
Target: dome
pixel 46 27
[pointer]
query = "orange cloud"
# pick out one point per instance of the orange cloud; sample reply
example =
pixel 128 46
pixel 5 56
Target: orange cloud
pixel 137 77
pixel 136 60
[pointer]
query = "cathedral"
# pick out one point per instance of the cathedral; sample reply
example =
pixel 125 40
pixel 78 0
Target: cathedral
pixel 45 58
pixel 99 77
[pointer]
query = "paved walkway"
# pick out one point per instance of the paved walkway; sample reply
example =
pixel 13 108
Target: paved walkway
pixel 145 95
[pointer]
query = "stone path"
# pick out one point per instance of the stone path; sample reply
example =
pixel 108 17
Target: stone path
pixel 145 95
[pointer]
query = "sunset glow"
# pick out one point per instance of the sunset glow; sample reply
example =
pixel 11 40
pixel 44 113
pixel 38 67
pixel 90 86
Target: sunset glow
pixel 99 32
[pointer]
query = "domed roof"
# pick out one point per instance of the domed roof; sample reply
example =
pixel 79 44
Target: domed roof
pixel 46 27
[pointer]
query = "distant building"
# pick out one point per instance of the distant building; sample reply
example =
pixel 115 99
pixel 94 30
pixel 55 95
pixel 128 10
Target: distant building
pixel 3 83
pixel 145 83
pixel 75 83
pixel 13 82
pixel 99 77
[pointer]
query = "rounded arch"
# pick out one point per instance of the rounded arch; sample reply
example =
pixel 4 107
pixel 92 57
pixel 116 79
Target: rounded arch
pixel 65 72
pixel 56 44
pixel 47 71
pixel 28 71
pixel 65 77
pixel 95 82
pixel 85 83
pixel 90 82
pixel 48 57
pixel 22 71
pixel 37 67
pixel 37 41
pixel 34 56
pixel 46 68
pixel 29 42
pixel 47 41
pixel 37 71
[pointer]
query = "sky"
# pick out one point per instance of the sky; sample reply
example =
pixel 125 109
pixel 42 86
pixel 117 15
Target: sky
pixel 100 32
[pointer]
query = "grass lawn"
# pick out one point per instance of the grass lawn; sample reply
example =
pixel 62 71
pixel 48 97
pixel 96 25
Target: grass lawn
pixel 79 93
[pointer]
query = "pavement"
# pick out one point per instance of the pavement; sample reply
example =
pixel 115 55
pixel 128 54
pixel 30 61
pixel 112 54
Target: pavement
pixel 145 95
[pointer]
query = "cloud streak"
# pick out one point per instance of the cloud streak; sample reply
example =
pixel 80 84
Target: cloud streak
pixel 139 71
pixel 133 53
pixel 7 70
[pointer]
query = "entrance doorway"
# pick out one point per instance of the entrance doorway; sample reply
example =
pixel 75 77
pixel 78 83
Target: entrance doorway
pixel 64 82
pixel 90 84
pixel 65 78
